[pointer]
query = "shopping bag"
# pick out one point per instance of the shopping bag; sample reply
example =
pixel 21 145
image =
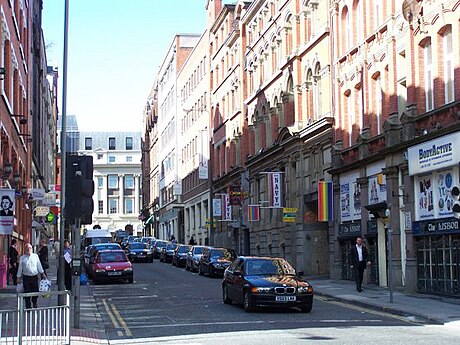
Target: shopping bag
pixel 45 286
pixel 20 288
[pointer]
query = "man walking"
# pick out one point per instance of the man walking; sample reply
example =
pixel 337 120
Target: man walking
pixel 13 260
pixel 29 269
pixel 359 257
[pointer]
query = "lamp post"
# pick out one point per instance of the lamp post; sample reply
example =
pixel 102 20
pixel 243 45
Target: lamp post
pixel 390 253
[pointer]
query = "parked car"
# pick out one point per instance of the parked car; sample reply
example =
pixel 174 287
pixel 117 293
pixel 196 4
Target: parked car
pixel 138 251
pixel 264 281
pixel 90 256
pixel 157 248
pixel 180 255
pixel 112 265
pixel 147 239
pixel 193 258
pixel 216 260
pixel 167 252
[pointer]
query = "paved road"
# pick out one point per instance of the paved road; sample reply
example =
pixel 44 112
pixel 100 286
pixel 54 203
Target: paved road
pixel 169 301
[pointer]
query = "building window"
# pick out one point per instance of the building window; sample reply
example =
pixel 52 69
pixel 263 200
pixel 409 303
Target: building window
pixel 351 117
pixel 448 66
pixel 129 182
pixel 129 205
pixel 129 159
pixel 113 181
pixel 378 103
pixel 111 159
pixel 100 206
pixel 377 14
pixel 100 156
pixel 100 182
pixel 88 143
pixel 129 143
pixel 429 99
pixel 111 143
pixel 113 205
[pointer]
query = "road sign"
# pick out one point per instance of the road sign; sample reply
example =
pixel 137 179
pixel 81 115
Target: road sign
pixel 50 217
pixel 42 211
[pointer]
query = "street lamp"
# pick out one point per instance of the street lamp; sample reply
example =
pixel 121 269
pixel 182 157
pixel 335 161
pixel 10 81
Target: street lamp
pixel 390 253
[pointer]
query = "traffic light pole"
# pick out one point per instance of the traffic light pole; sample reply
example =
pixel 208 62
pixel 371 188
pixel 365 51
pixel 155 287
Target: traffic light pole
pixel 76 277
pixel 61 284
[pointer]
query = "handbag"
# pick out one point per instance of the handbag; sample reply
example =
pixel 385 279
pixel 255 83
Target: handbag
pixel 20 287
pixel 45 265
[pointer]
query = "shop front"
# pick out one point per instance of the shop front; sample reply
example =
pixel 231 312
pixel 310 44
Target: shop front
pixel 434 168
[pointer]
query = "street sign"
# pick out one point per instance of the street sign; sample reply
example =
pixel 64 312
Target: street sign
pixel 289 214
pixel 42 211
pixel 50 217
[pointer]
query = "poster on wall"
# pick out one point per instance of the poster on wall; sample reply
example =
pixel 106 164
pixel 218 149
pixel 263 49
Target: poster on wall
pixel 6 211
pixel 425 196
pixel 345 213
pixel 443 199
pixel 377 189
pixel 350 197
pixel 356 200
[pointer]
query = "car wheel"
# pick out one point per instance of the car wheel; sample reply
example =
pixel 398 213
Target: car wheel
pixel 210 272
pixel 151 259
pixel 306 308
pixel 173 263
pixel 225 295
pixel 200 271
pixel 247 304
pixel 187 268
pixel 131 280
pixel 95 281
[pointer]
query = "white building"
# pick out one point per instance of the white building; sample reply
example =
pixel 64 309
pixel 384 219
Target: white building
pixel 117 177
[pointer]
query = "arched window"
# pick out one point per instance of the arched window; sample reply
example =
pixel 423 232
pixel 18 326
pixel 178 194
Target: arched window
pixel 346 33
pixel 317 92
pixel 359 21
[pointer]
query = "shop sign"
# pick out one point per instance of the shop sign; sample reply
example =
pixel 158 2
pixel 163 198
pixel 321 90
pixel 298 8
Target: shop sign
pixel 349 229
pixel 436 227
pixel 435 154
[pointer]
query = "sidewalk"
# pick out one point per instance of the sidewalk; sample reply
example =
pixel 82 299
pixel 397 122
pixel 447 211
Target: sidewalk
pixel 417 307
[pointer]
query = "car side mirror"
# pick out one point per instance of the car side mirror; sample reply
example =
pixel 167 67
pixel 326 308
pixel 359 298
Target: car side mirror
pixel 300 273
pixel 237 273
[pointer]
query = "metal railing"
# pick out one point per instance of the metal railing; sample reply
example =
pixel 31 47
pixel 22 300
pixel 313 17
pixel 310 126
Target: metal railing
pixel 43 325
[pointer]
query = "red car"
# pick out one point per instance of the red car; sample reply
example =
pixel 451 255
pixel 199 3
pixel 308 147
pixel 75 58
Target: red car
pixel 112 265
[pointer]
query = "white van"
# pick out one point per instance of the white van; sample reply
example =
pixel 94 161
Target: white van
pixel 93 236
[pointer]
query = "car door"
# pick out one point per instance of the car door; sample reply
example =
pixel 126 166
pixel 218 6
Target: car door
pixel 231 278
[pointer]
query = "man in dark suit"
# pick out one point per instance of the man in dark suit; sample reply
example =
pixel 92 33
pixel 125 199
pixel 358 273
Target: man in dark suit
pixel 359 257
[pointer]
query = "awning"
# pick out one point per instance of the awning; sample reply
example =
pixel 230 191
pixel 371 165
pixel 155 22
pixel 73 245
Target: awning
pixel 36 224
pixel 150 220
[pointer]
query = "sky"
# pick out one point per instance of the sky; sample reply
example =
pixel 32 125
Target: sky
pixel 115 48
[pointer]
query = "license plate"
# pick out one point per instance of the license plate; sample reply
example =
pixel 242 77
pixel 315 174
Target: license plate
pixel 285 298
pixel 114 273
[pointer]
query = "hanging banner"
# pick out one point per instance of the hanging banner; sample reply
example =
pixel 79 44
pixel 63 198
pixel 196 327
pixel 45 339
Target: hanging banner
pixel 216 207
pixel 6 211
pixel 227 208
pixel 274 189
pixel 325 202
pixel 253 213
pixel 204 156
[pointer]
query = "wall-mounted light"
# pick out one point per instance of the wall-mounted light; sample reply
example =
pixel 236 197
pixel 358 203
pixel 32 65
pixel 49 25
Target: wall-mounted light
pixel 16 178
pixel 22 118
pixel 24 190
pixel 7 170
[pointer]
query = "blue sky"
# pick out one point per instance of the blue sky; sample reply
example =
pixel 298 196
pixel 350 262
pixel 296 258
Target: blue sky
pixel 115 49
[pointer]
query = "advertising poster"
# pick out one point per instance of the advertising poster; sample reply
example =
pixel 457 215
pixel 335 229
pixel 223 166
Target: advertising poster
pixel 345 201
pixel 377 190
pixel 424 195
pixel 444 182
pixel 356 200
pixel 6 211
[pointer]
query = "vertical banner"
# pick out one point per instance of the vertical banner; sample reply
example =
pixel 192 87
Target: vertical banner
pixel 325 202
pixel 216 207
pixel 7 200
pixel 204 155
pixel 227 208
pixel 253 213
pixel 274 189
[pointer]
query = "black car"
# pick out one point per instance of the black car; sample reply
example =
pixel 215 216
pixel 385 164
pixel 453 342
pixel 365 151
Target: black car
pixel 138 251
pixel 159 244
pixel 215 261
pixel 193 258
pixel 263 281
pixel 167 252
pixel 180 255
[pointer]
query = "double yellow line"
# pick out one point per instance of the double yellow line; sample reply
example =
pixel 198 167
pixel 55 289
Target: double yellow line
pixel 116 318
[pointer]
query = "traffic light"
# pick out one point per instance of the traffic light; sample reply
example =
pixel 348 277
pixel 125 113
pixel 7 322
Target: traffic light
pixel 455 192
pixel 79 188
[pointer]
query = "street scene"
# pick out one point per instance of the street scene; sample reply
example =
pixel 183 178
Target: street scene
pixel 266 171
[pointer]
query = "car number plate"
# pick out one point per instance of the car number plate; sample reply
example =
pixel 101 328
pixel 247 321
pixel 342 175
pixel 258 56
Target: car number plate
pixel 285 298
pixel 114 273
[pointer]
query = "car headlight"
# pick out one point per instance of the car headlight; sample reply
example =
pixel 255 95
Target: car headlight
pixel 305 289
pixel 100 270
pixel 260 289
pixel 129 269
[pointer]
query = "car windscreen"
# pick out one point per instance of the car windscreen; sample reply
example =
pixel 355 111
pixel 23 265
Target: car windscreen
pixel 221 254
pixel 137 245
pixel 160 244
pixel 268 267
pixel 112 257
pixel 184 249
pixel 107 246
pixel 198 250
pixel 171 246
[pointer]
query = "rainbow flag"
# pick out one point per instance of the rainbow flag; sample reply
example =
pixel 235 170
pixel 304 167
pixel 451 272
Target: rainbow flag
pixel 325 202
pixel 253 213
